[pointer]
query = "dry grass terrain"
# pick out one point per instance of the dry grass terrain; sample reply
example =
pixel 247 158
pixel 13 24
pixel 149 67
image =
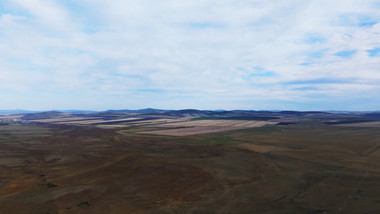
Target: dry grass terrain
pixel 205 126
pixel 65 119
pixel 11 116
pixel 81 120
pixel 191 130
pixel 307 168
pixel 218 123
pixel 375 124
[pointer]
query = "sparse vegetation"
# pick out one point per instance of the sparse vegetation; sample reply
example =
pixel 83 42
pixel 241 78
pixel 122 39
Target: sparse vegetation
pixel 51 185
pixel 306 167
pixel 84 204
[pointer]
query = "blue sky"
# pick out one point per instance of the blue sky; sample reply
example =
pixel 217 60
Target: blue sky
pixel 226 54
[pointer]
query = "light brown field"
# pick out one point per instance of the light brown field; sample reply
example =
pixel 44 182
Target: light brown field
pixel 219 123
pixel 96 120
pixel 65 119
pixel 160 122
pixel 113 126
pixel 206 126
pixel 82 122
pixel 11 116
pixel 145 123
pixel 190 131
pixel 375 124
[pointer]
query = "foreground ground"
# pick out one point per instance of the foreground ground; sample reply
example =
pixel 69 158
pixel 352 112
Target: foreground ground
pixel 307 167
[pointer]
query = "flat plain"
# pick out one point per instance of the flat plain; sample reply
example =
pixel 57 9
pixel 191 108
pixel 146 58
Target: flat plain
pixel 304 166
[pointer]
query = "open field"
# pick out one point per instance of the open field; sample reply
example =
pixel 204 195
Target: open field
pixel 81 120
pixel 65 119
pixel 205 126
pixel 308 167
pixel 375 124
pixel 218 123
pixel 11 116
pixel 97 121
pixel 191 131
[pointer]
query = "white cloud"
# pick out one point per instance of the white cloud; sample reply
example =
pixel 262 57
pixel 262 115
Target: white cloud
pixel 189 51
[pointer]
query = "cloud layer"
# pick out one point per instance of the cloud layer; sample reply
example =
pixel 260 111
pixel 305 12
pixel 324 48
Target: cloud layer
pixel 92 54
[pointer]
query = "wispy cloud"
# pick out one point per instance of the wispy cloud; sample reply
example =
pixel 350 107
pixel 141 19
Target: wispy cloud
pixel 314 39
pixel 361 20
pixel 317 54
pixel 319 81
pixel 374 52
pixel 345 53
pixel 199 54
pixel 204 25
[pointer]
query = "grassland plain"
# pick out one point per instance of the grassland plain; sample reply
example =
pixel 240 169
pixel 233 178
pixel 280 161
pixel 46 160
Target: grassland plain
pixel 308 167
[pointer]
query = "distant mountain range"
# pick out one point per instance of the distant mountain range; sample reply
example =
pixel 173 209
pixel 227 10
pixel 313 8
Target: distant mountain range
pixel 140 111
pixel 184 112
pixel 17 111
pixel 21 111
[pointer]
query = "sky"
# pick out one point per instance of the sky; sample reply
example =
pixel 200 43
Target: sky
pixel 203 54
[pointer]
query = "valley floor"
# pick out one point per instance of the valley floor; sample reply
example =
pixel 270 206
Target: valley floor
pixel 297 168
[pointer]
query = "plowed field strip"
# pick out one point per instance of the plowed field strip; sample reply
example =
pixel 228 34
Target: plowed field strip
pixel 205 129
